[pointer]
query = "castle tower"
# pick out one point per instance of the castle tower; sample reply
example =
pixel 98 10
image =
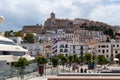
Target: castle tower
pixel 52 15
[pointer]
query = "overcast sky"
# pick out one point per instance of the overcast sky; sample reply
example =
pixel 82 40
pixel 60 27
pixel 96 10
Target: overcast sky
pixel 18 13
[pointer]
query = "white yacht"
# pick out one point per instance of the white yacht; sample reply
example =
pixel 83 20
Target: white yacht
pixel 10 51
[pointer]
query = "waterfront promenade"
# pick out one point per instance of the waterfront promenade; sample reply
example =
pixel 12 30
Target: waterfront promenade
pixel 35 75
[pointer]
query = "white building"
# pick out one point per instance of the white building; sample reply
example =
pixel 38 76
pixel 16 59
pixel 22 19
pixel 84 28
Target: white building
pixel 69 48
pixel 34 48
pixel 78 49
pixel 61 47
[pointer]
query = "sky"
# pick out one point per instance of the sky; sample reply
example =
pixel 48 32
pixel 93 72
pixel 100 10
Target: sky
pixel 18 13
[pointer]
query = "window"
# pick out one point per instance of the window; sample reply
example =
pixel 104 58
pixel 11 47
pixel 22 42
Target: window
pixel 81 52
pixel 66 46
pixel 55 50
pixel 99 50
pixel 81 47
pixel 107 51
pixel 7 42
pixel 66 50
pixel 103 51
pixel 73 47
pixel 113 45
pixel 61 50
pixel 6 53
pixel 73 51
pixel 116 51
pixel 103 46
pixel 117 45
pixel 99 46
pixel 107 56
pixel 61 46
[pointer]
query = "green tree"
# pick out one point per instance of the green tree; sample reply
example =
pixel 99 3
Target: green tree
pixel 101 59
pixel 70 60
pixel 88 58
pixel 41 60
pixel 54 61
pixel 7 33
pixel 19 34
pixel 60 56
pixel 81 59
pixel 63 60
pixel 75 58
pixel 109 32
pixel 29 38
pixel 21 64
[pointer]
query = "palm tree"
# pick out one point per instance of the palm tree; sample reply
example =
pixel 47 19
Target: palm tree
pixel 21 64
pixel 41 60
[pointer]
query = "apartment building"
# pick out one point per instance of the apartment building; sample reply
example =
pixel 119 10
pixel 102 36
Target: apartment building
pixel 69 48
pixel 61 47
pixel 87 35
pixel 107 48
pixel 78 49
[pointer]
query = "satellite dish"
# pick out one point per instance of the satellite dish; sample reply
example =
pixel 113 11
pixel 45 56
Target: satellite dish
pixel 1 19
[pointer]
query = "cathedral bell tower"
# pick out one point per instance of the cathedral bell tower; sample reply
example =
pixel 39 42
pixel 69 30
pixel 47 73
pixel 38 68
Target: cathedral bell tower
pixel 52 15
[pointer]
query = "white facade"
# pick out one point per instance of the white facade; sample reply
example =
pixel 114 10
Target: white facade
pixel 68 48
pixel 61 47
pixel 78 49
pixel 34 48
pixel 58 36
